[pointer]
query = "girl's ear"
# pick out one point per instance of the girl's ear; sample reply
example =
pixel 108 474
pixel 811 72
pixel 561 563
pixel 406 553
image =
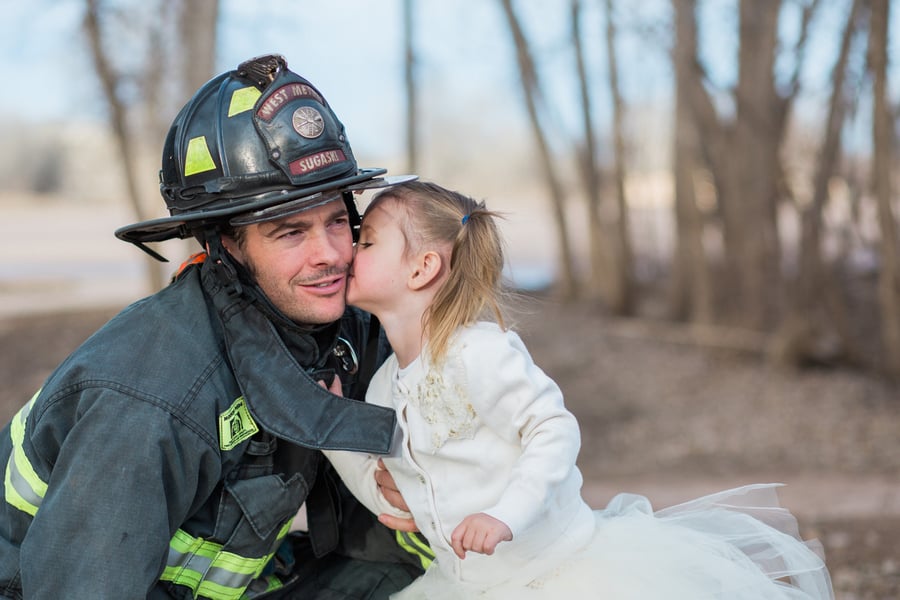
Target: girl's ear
pixel 426 269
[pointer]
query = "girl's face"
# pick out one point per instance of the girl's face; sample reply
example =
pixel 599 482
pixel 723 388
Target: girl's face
pixel 381 267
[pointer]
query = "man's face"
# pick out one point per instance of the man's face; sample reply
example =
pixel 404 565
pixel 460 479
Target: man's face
pixel 301 261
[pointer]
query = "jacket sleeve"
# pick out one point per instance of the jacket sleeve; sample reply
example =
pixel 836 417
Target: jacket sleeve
pixel 516 399
pixel 357 471
pixel 126 475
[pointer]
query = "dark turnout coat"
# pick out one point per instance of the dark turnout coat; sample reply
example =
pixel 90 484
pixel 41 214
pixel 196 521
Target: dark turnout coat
pixel 168 454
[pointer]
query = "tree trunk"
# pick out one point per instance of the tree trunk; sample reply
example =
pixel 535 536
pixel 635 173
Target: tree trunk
pixel 409 70
pixel 184 61
pixel 882 133
pixel 751 179
pixel 816 311
pixel 198 30
pixel 118 121
pixel 532 93
pixel 600 283
pixel 622 301
pixel 690 291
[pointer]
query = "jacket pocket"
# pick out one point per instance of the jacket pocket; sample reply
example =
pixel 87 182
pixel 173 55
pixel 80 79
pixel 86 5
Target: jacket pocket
pixel 253 511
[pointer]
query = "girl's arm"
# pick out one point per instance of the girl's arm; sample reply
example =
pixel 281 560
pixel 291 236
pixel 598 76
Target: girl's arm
pixel 516 399
pixel 357 470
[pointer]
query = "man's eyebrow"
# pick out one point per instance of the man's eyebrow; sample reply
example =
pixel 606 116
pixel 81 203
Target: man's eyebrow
pixel 299 222
pixel 288 224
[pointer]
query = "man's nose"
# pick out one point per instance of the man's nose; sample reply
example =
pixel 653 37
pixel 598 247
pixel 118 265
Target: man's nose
pixel 327 249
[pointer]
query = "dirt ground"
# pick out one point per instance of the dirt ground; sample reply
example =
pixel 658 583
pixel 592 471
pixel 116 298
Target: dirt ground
pixel 668 418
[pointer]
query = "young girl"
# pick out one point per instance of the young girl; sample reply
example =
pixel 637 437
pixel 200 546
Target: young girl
pixel 485 453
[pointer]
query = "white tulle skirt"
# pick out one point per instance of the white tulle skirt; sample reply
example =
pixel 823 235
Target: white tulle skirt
pixel 733 545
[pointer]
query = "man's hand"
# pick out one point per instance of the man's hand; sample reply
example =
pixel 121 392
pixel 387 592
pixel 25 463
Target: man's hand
pixel 388 489
pixel 336 388
pixel 384 480
pixel 479 533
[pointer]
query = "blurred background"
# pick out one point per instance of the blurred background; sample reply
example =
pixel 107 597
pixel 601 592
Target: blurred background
pixel 713 162
pixel 701 194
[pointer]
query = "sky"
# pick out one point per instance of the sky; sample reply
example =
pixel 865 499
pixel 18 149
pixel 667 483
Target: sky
pixel 470 93
pixel 350 49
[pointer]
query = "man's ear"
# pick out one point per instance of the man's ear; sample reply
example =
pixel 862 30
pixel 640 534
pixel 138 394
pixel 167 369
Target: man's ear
pixel 426 269
pixel 232 247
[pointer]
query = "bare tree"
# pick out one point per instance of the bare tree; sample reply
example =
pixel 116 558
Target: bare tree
pixel 533 96
pixel 136 119
pixel 744 155
pixel 690 290
pixel 751 168
pixel 110 81
pixel 882 133
pixel 602 269
pixel 197 40
pixel 409 64
pixel 622 300
pixel 816 312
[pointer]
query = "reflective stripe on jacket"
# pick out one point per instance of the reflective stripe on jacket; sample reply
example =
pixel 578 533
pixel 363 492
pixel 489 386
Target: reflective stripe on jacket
pixel 144 467
pixel 210 571
pixel 23 488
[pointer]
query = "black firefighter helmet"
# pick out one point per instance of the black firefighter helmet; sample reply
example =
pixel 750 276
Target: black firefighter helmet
pixel 253 144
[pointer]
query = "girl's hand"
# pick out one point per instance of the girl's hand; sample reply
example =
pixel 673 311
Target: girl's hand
pixel 479 533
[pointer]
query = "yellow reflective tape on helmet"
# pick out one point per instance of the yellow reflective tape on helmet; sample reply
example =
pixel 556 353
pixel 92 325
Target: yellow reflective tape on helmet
pixel 243 100
pixel 23 488
pixel 198 159
pixel 210 571
pixel 415 546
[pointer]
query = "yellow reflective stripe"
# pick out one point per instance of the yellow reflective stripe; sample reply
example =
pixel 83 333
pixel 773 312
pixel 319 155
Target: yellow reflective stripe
pixel 23 488
pixel 243 100
pixel 211 572
pixel 198 158
pixel 415 546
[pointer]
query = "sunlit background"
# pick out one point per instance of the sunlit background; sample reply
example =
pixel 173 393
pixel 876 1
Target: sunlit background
pixel 62 188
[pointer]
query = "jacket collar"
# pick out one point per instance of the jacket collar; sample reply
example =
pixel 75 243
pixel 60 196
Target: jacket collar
pixel 281 395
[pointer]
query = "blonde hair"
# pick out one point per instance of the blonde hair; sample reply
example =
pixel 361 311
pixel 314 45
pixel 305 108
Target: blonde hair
pixel 473 289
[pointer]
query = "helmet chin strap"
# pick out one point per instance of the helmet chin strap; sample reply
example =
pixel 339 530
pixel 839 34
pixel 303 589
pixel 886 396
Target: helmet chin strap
pixel 353 211
pixel 222 263
pixel 150 251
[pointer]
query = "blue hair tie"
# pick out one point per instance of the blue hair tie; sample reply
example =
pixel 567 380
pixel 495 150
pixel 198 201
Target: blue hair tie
pixel 465 219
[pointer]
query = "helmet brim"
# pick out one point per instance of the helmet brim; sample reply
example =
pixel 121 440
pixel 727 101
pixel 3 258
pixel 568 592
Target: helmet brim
pixel 185 224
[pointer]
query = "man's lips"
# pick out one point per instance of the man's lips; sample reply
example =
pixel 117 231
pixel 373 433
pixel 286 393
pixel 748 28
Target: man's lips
pixel 326 286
